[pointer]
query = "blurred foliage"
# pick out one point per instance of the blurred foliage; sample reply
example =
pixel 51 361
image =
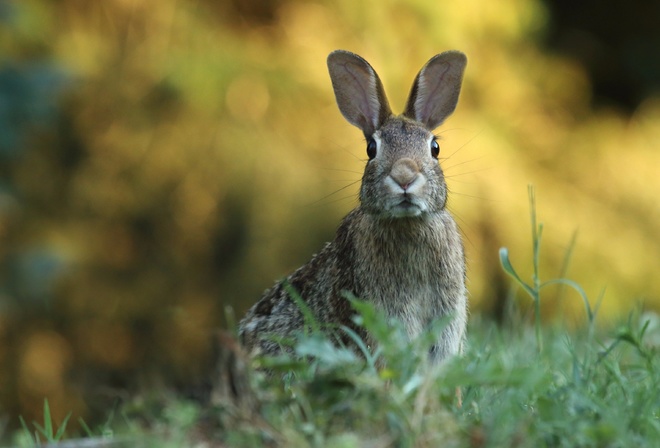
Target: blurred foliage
pixel 622 65
pixel 163 159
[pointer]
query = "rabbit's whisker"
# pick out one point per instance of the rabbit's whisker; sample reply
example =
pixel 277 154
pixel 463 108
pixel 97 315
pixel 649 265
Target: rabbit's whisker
pixel 332 194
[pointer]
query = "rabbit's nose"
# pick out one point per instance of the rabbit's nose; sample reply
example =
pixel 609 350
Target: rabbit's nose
pixel 404 172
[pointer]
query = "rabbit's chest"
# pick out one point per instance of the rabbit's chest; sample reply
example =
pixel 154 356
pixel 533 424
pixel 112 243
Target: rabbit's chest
pixel 415 306
pixel 411 286
pixel 411 270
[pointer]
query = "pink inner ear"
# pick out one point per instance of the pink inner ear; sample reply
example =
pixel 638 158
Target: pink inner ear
pixel 358 91
pixel 365 93
pixel 436 89
pixel 430 94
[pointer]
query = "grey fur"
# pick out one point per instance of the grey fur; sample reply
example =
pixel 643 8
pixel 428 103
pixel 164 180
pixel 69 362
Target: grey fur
pixel 400 249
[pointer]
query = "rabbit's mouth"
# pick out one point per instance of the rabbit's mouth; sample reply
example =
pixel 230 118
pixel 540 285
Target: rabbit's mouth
pixel 407 207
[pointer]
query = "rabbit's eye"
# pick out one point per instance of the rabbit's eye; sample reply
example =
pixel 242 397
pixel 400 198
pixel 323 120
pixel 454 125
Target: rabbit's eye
pixel 435 149
pixel 371 148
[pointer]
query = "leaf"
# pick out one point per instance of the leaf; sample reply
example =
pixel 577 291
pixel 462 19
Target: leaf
pixel 308 314
pixel 62 427
pixel 48 422
pixel 412 384
pixel 27 431
pixel 371 358
pixel 576 287
pixel 85 427
pixel 43 430
pixel 508 268
pixel 325 351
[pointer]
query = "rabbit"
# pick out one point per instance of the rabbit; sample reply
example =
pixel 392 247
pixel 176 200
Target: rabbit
pixel 399 249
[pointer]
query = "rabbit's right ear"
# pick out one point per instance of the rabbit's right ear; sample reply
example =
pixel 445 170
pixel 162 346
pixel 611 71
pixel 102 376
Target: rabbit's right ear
pixel 434 93
pixel 358 90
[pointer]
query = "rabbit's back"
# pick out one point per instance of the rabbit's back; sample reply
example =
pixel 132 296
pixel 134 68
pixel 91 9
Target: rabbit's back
pixel 319 284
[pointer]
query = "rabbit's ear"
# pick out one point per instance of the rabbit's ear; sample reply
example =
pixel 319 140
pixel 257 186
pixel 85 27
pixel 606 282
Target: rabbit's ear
pixel 434 93
pixel 358 90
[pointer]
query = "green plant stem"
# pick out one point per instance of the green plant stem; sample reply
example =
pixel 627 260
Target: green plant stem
pixel 534 289
pixel 537 231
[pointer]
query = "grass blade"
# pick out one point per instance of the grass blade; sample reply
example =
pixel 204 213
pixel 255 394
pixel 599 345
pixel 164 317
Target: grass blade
pixel 48 422
pixel 308 315
pixel 62 427
pixel 566 261
pixel 508 268
pixel 576 287
pixel 371 360
pixel 85 427
pixel 27 430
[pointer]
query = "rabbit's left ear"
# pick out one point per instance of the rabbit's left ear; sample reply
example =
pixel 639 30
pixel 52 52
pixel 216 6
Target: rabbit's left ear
pixel 434 93
pixel 358 90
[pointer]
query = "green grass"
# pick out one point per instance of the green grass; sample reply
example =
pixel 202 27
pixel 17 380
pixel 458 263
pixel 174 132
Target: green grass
pixel 533 289
pixel 575 392
pixel 45 431
pixel 581 389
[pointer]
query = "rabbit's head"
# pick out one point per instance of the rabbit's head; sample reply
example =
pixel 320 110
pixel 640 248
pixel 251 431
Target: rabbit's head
pixel 402 177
